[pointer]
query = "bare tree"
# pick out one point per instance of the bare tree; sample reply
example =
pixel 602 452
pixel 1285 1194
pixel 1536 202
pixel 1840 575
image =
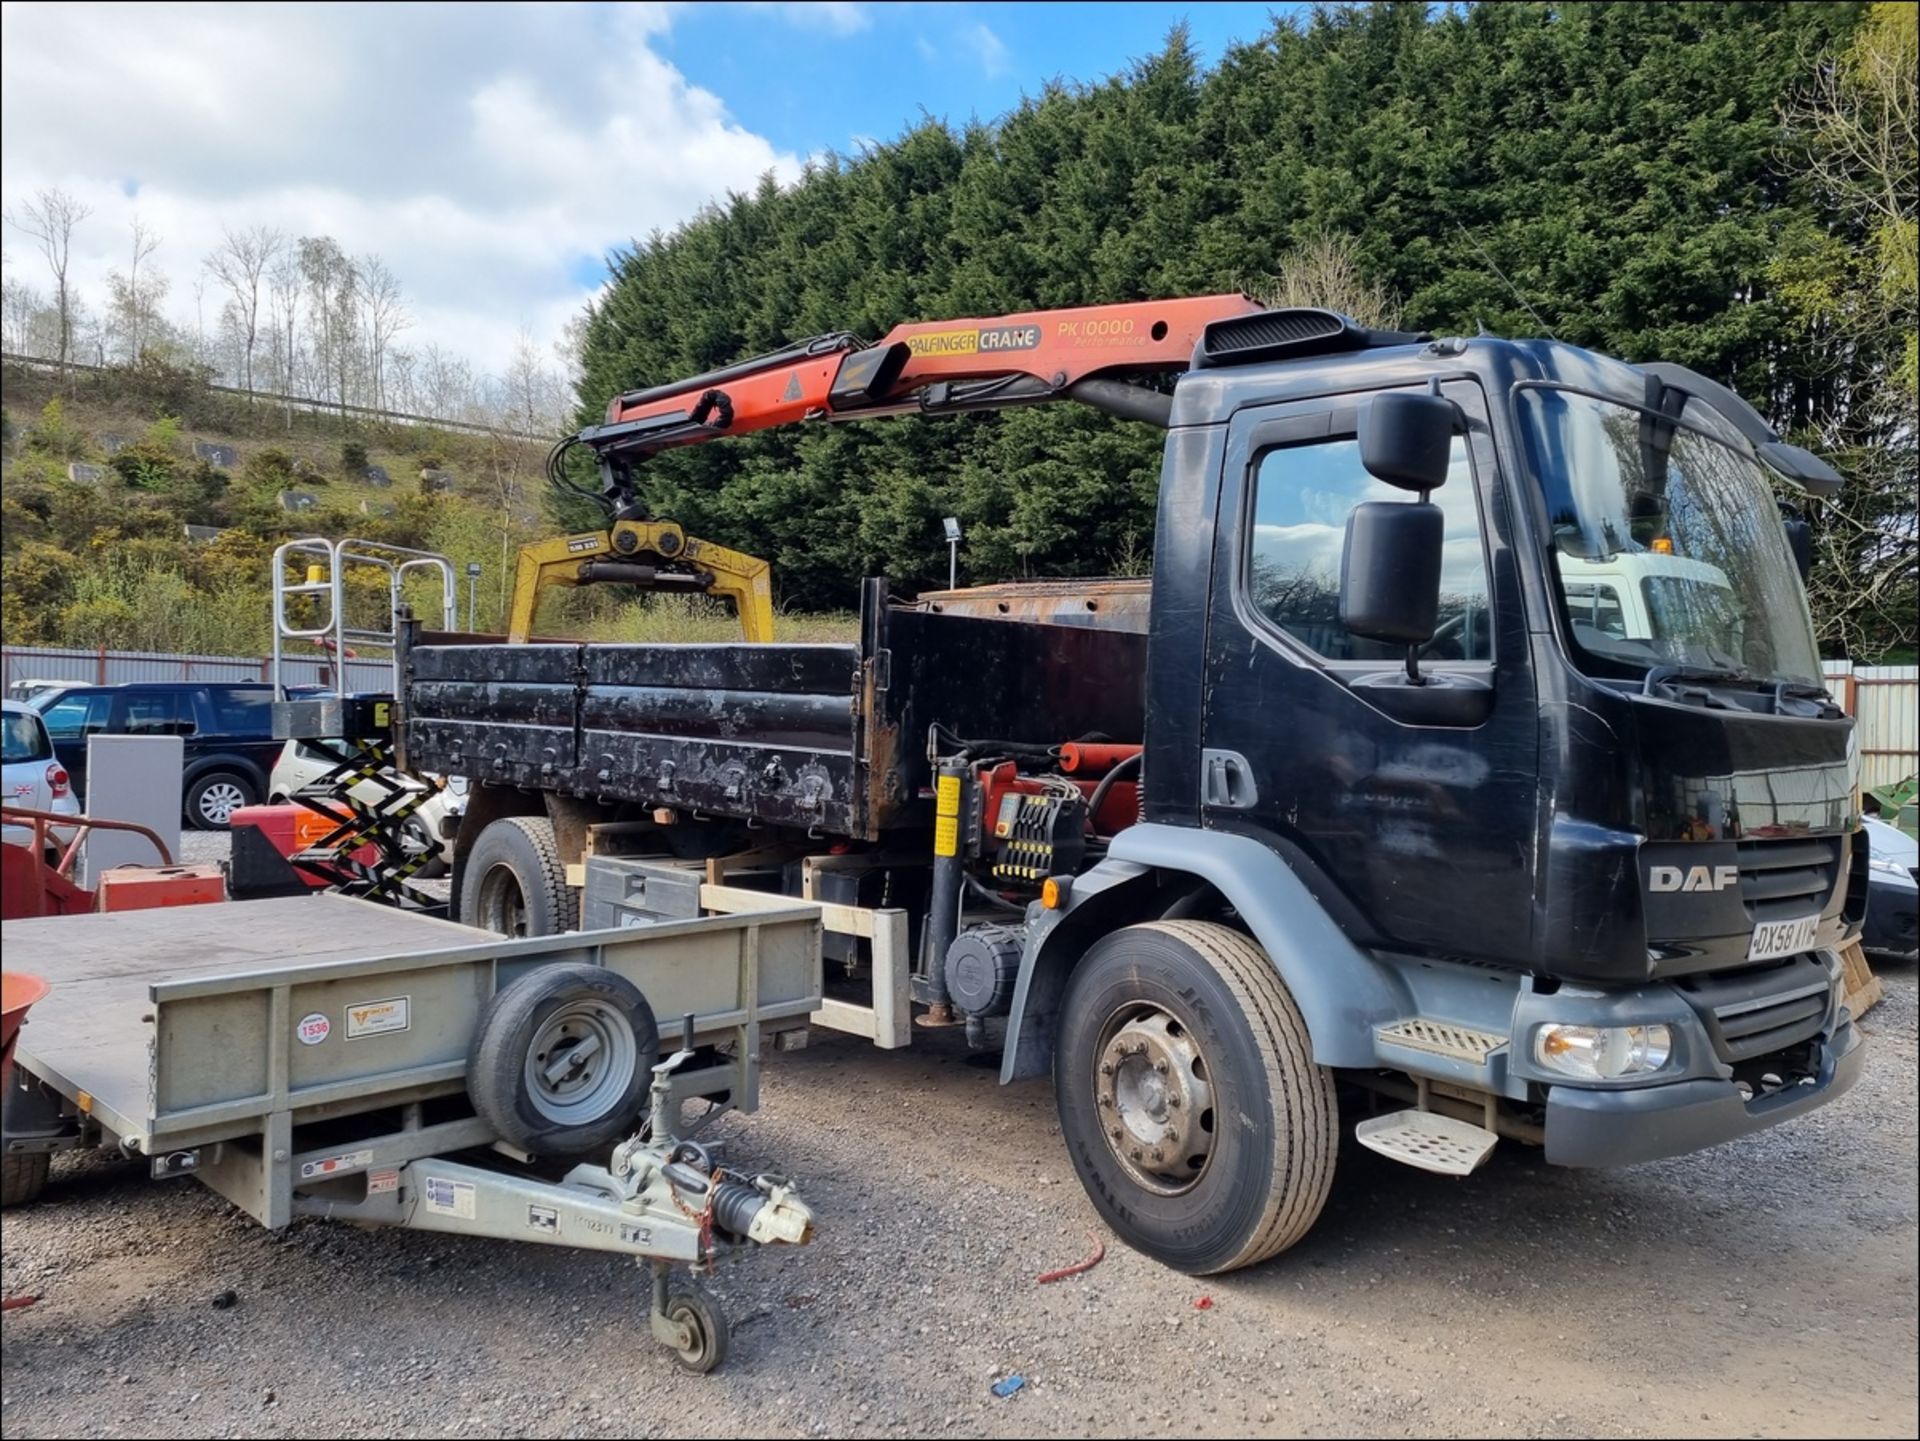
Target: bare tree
pixel 383 316
pixel 240 265
pixel 283 305
pixel 445 384
pixel 49 220
pixel 21 309
pixel 331 283
pixel 1326 272
pixel 133 302
pixel 535 398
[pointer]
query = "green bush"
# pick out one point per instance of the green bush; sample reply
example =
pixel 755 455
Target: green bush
pixel 353 459
pixel 54 435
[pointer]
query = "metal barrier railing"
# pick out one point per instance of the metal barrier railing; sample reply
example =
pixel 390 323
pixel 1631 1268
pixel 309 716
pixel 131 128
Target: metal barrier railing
pixel 327 565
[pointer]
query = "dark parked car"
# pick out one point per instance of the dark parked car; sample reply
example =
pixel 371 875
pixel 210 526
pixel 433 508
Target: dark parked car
pixel 1893 893
pixel 227 730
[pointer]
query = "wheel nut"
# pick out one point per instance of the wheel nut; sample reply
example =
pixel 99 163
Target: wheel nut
pixel 1114 1131
pixel 1107 1101
pixel 1173 1100
pixel 1161 1067
pixel 1106 1068
pixel 1136 1153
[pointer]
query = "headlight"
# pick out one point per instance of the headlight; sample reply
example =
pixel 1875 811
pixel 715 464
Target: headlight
pixel 1602 1053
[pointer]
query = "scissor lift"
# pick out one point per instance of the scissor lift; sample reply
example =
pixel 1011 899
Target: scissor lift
pixel 355 731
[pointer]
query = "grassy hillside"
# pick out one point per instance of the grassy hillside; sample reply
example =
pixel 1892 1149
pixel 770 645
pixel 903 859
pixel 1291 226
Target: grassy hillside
pixel 103 479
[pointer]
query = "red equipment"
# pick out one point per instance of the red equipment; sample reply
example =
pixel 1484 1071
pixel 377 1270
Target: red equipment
pixel 29 887
pixel 146 888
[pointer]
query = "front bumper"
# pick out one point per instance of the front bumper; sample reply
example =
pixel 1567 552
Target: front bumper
pixel 1624 1127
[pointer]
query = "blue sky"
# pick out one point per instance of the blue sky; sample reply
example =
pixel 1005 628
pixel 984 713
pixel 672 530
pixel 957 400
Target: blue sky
pixel 870 73
pixel 492 154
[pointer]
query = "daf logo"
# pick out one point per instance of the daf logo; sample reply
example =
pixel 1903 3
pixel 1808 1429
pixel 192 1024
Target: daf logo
pixel 1693 878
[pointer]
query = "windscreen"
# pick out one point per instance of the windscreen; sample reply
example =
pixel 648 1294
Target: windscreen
pixel 1667 541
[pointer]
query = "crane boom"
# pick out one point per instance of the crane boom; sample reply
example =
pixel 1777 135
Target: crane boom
pixel 937 367
pixel 934 367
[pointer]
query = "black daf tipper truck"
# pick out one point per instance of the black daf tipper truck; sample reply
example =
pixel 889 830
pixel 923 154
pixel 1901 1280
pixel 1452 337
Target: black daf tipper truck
pixel 1467 750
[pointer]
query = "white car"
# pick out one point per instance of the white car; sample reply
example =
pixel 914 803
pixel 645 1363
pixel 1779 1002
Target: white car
pixel 432 826
pixel 33 778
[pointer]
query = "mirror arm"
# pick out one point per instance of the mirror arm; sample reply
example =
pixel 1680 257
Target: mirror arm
pixel 1413 651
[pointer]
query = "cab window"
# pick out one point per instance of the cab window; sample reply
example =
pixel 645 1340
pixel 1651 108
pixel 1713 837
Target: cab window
pixel 1302 497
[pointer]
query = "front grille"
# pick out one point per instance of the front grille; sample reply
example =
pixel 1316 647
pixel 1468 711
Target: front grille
pixel 1757 1012
pixel 1782 879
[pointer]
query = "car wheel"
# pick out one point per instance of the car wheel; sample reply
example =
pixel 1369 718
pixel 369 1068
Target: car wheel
pixel 418 838
pixel 214 797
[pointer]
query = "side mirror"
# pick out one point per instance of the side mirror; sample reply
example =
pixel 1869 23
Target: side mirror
pixel 1813 474
pixel 1406 439
pixel 1390 571
pixel 1799 541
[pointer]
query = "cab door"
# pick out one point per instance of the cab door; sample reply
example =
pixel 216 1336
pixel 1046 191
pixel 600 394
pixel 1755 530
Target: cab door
pixel 1409 811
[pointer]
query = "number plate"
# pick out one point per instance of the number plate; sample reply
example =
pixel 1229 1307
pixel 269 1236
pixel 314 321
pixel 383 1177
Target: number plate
pixel 1783 938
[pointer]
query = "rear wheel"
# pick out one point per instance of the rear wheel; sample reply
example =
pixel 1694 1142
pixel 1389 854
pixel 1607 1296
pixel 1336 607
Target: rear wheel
pixel 23 1176
pixel 1199 1124
pixel 515 882
pixel 214 797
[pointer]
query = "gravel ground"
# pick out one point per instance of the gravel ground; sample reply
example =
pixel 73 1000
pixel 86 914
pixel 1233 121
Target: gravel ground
pixel 1766 1288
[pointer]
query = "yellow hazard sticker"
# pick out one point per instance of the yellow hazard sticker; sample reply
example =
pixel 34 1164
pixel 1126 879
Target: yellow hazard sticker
pixel 946 836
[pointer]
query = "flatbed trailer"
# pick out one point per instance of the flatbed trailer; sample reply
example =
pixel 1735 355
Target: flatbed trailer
pixel 312 1057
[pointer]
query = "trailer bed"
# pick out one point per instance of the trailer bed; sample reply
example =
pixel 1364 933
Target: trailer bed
pixel 183 1027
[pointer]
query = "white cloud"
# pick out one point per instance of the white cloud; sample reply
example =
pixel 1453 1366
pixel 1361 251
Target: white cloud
pixel 836 17
pixel 488 155
pixel 988 48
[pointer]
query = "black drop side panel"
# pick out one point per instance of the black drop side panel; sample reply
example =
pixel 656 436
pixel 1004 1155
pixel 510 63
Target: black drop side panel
pixel 497 713
pixel 1009 680
pixel 765 732
pixel 754 732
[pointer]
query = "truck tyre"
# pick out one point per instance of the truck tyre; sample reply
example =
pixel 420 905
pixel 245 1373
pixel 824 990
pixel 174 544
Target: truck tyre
pixel 23 1176
pixel 562 1059
pixel 515 882
pixel 214 797
pixel 1199 1124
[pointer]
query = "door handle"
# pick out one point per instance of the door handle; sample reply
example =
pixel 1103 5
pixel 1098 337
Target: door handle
pixel 1227 780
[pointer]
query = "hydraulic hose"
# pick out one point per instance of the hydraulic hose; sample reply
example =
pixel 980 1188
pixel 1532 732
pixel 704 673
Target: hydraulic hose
pixel 1126 768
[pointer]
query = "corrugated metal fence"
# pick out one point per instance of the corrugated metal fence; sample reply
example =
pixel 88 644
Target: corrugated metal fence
pixel 116 667
pixel 1886 698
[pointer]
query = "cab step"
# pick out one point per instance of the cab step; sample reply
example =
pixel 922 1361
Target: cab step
pixel 1428 1141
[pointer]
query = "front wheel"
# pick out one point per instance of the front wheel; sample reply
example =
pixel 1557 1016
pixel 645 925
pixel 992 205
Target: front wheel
pixel 707 1332
pixel 1199 1124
